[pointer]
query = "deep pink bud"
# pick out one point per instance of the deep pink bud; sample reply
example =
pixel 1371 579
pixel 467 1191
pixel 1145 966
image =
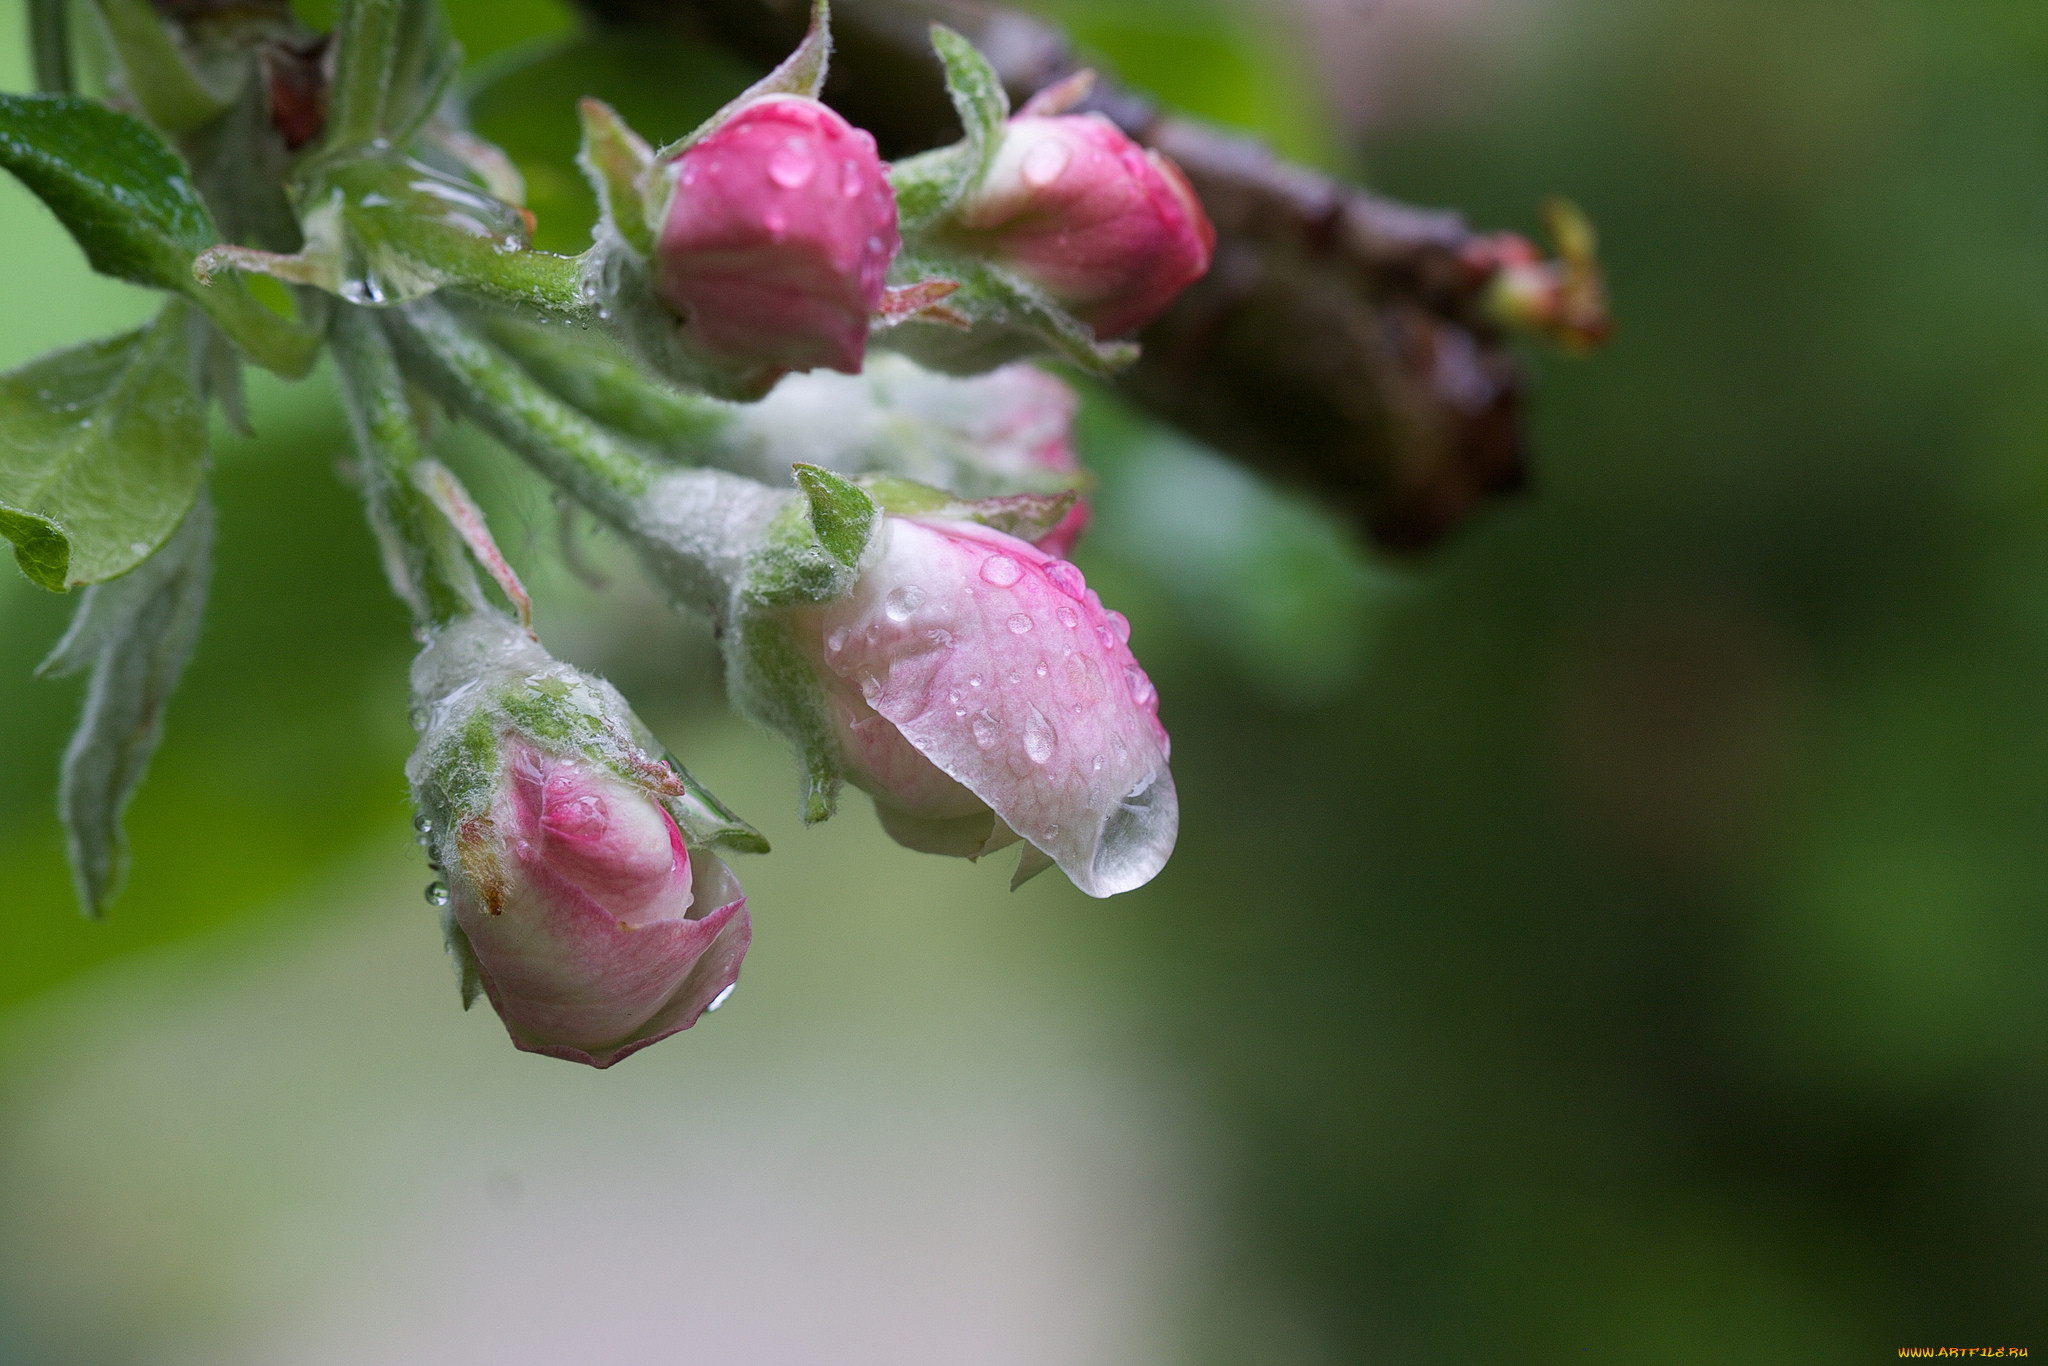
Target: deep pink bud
pixel 1110 229
pixel 777 239
pixel 973 675
pixel 593 932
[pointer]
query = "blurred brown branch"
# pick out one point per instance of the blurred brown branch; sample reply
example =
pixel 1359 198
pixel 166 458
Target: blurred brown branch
pixel 1340 342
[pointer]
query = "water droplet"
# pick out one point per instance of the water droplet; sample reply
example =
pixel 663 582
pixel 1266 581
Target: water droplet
pixel 1001 570
pixel 974 680
pixel 1142 690
pixel 1067 579
pixel 1015 678
pixel 987 730
pixel 689 173
pixel 870 688
pixel 422 828
pixel 851 182
pixel 873 633
pixel 792 166
pixel 1069 618
pixel 1096 763
pixel 901 602
pixel 940 637
pixel 722 997
pixel 953 698
pixel 1041 670
pixel 836 642
pixel 1039 737
pixel 437 894
pixel 1020 624
pixel 1105 635
pixel 418 717
pixel 1052 832
pixel 1121 624
pixel 1045 163
pixel 876 246
pixel 777 223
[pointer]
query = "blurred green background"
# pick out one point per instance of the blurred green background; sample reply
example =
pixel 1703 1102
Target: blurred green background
pixel 1618 939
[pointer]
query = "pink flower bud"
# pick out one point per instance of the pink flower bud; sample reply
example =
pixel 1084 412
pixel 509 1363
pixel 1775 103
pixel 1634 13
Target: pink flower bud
pixel 593 932
pixel 980 688
pixel 777 239
pixel 1110 229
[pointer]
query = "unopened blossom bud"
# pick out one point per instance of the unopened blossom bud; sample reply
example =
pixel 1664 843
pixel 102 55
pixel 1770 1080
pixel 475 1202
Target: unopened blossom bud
pixel 570 890
pixel 1110 229
pixel 777 240
pixel 982 692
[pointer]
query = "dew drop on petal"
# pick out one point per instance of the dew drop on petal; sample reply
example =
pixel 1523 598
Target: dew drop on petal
pixel 1045 163
pixel 1096 763
pixel 851 182
pixel 1052 832
pixel 836 642
pixel 901 602
pixel 722 997
pixel 1020 624
pixel 1121 624
pixel 437 894
pixel 792 166
pixel 776 221
pixel 1041 670
pixel 870 688
pixel 1039 737
pixel 689 173
pixel 940 637
pixel 1141 686
pixel 975 680
pixel 1001 570
pixel 1067 579
pixel 987 730
pixel 1069 618
pixel 1105 635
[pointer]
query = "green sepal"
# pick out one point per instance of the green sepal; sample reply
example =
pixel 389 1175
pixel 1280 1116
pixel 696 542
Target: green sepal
pixel 768 674
pixel 930 185
pixel 153 69
pixel 616 161
pixel 790 567
pixel 801 73
pixel 1008 317
pixel 705 820
pixel 382 228
pixel 130 204
pixel 843 517
pixel 469 974
pixel 1027 516
pixel 102 451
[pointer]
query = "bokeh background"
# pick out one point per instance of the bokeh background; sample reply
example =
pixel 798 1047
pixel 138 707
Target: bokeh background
pixel 1620 938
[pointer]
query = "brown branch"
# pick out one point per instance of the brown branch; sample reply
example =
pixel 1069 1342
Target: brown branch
pixel 1339 342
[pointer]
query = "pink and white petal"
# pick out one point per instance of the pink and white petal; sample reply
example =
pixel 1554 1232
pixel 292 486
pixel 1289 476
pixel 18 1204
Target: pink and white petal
pixel 998 664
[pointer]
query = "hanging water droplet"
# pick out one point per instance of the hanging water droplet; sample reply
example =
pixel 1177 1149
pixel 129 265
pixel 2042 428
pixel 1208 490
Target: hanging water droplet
pixel 792 166
pixel 1121 624
pixel 1067 579
pixel 423 827
pixel 1044 163
pixel 901 602
pixel 437 894
pixel 1039 737
pixel 987 730
pixel 722 997
pixel 1020 624
pixel 1001 570
pixel 1069 618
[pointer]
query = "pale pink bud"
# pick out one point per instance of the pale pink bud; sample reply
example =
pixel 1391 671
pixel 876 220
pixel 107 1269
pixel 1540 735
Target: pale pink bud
pixel 778 238
pixel 593 932
pixel 980 688
pixel 1110 229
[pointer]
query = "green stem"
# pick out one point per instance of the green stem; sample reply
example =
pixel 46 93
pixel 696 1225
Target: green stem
pixel 488 388
pixel 366 34
pixel 49 40
pixel 429 566
pixel 603 383
pixel 154 68
pixel 538 279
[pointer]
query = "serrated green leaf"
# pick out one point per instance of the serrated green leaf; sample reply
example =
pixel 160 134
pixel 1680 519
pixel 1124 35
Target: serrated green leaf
pixel 135 635
pixel 127 200
pixel 842 514
pixel 103 446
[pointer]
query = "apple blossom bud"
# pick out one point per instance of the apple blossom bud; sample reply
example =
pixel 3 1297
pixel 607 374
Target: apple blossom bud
pixel 777 240
pixel 982 692
pixel 571 893
pixel 1110 229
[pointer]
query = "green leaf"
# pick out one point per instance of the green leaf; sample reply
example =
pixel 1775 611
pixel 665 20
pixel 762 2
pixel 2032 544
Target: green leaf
pixel 102 450
pixel 977 93
pixel 126 198
pixel 135 635
pixel 153 70
pixel 802 73
pixel 842 514
pixel 382 228
pixel 615 160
